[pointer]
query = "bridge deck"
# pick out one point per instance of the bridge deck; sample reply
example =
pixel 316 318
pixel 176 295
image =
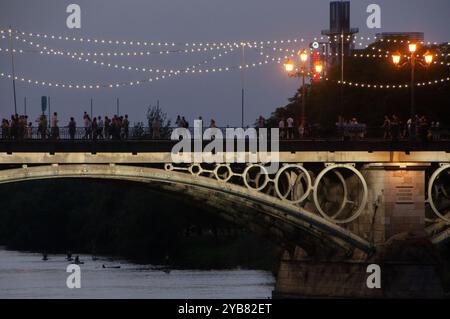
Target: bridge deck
pixel 147 152
pixel 110 146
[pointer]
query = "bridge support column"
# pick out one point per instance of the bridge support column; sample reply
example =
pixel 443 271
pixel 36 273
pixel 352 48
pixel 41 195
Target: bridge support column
pixel 394 221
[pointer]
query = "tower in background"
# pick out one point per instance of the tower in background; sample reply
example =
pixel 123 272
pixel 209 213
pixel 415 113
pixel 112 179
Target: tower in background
pixel 340 26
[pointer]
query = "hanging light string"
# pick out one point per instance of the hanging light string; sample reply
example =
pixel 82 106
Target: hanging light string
pixel 388 86
pixel 378 86
pixel 350 38
pixel 39 46
pixel 384 54
pixel 193 70
pixel 79 55
pixel 83 58
pixel 144 43
pixel 378 54
pixel 48 51
pixel 149 69
pixel 141 82
pixel 371 39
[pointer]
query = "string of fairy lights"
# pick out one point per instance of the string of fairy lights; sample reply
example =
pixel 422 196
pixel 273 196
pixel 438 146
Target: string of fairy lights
pixel 199 45
pixel 39 46
pixel 147 80
pixel 380 53
pixel 220 49
pixel 91 58
pixel 388 86
pixel 16 33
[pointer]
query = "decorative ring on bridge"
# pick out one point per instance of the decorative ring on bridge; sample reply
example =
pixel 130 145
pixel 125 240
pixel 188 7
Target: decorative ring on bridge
pixel 293 183
pixel 195 169
pixel 168 167
pixel 345 200
pixel 223 172
pixel 435 177
pixel 344 195
pixel 252 177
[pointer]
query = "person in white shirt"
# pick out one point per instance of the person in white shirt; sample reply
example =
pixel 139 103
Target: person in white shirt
pixel 290 125
pixel 100 127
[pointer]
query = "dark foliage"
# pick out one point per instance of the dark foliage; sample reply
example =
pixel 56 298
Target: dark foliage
pixel 369 105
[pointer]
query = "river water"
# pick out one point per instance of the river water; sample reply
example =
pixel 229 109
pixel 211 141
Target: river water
pixel 26 275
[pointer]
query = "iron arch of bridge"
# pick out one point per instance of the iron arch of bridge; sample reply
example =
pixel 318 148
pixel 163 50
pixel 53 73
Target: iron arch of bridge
pixel 322 231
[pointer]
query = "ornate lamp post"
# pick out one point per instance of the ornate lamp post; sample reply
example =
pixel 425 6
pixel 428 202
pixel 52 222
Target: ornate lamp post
pixel 290 68
pixel 424 61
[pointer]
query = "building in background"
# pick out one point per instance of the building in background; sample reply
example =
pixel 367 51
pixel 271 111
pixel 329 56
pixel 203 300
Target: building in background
pixel 340 27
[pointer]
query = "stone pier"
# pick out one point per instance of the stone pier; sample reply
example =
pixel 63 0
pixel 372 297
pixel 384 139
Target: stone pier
pixel 394 221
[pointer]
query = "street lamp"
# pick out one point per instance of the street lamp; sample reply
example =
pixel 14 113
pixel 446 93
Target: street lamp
pixel 290 68
pixel 303 59
pixel 303 56
pixel 425 61
pixel 318 67
pixel 396 57
pixel 428 57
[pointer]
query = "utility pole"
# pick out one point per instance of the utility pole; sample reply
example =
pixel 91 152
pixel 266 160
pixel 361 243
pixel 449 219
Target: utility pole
pixel 13 69
pixel 49 112
pixel 242 83
pixel 413 106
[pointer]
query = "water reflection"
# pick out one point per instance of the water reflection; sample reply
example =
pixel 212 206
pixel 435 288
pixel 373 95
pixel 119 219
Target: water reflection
pixel 25 275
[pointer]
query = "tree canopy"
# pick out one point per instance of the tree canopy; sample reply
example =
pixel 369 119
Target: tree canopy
pixel 369 105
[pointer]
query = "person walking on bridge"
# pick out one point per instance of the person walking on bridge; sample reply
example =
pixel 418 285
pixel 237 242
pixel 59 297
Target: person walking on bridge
pixel 87 126
pixel 72 128
pixel 395 128
pixel 387 128
pixel 290 127
pixel 281 127
pixel 126 127
pixel 42 126
pixel 55 128
pixel 100 127
pixel 107 129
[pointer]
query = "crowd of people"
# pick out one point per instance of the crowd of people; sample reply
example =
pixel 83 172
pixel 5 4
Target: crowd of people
pixel 288 127
pixel 291 128
pixel 115 128
pixel 182 122
pixel 16 128
pixel 395 129
pixel 19 127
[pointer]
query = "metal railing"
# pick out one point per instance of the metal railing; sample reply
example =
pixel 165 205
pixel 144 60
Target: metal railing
pixel 346 132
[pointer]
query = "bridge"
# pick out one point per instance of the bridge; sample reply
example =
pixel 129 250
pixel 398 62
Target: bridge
pixel 334 206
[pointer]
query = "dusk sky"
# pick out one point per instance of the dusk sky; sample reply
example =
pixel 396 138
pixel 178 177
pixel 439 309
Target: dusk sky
pixel 215 95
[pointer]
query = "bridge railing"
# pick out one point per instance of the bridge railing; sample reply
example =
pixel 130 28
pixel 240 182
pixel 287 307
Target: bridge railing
pixel 340 132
